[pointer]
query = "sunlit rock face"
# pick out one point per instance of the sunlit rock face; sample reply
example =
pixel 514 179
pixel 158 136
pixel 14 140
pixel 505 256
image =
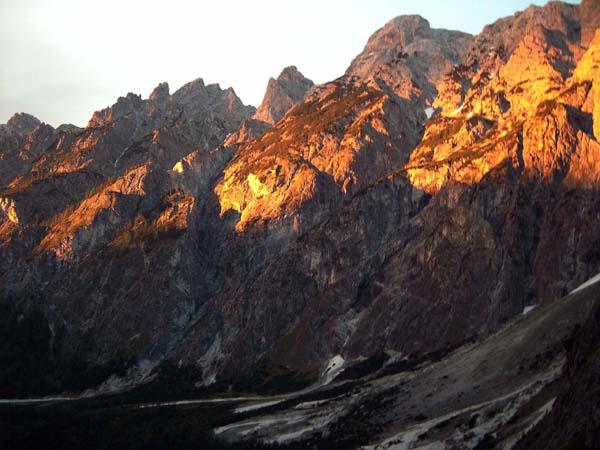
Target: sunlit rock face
pixel 409 57
pixel 338 141
pixel 190 234
pixel 510 56
pixel 289 89
pixel 531 173
pixel 509 100
pixel 590 20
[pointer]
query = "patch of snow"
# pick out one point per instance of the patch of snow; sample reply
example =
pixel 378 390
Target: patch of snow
pixel 429 111
pixel 317 403
pixel 30 401
pixel 334 367
pixel 208 362
pixel 254 425
pixel 458 110
pixel 256 406
pixel 116 162
pixel 196 402
pixel 541 413
pixel 292 436
pixel 310 405
pixel 310 424
pixel 588 283
pixel 394 357
pixel 527 309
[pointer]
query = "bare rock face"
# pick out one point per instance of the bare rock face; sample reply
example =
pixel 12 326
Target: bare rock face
pixel 22 139
pixel 160 94
pixel 324 148
pixel 64 166
pixel 548 147
pixel 289 89
pixel 548 38
pixel 409 57
pixel 21 123
pixel 590 20
pixel 574 419
pixel 249 130
pixel 282 94
pixel 494 169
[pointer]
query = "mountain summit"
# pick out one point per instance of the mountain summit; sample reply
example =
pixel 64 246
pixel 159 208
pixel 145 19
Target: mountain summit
pixel 290 88
pixel 409 56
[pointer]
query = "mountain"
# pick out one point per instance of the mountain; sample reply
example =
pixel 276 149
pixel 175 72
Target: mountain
pixel 409 57
pixel 23 138
pixel 289 89
pixel 283 93
pixel 355 242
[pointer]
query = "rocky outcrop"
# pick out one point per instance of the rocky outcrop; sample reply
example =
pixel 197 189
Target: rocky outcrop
pixel 289 89
pixel 132 132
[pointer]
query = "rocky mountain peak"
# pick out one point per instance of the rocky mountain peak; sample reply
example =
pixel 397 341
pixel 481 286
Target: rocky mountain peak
pixel 196 85
pixel 402 30
pixel 290 73
pixel 124 106
pixel 409 57
pixel 22 123
pixel 160 92
pixel 196 97
pixel 68 128
pixel 289 89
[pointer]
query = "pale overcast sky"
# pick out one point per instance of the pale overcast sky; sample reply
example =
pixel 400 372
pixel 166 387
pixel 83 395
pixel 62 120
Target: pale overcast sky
pixel 63 59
